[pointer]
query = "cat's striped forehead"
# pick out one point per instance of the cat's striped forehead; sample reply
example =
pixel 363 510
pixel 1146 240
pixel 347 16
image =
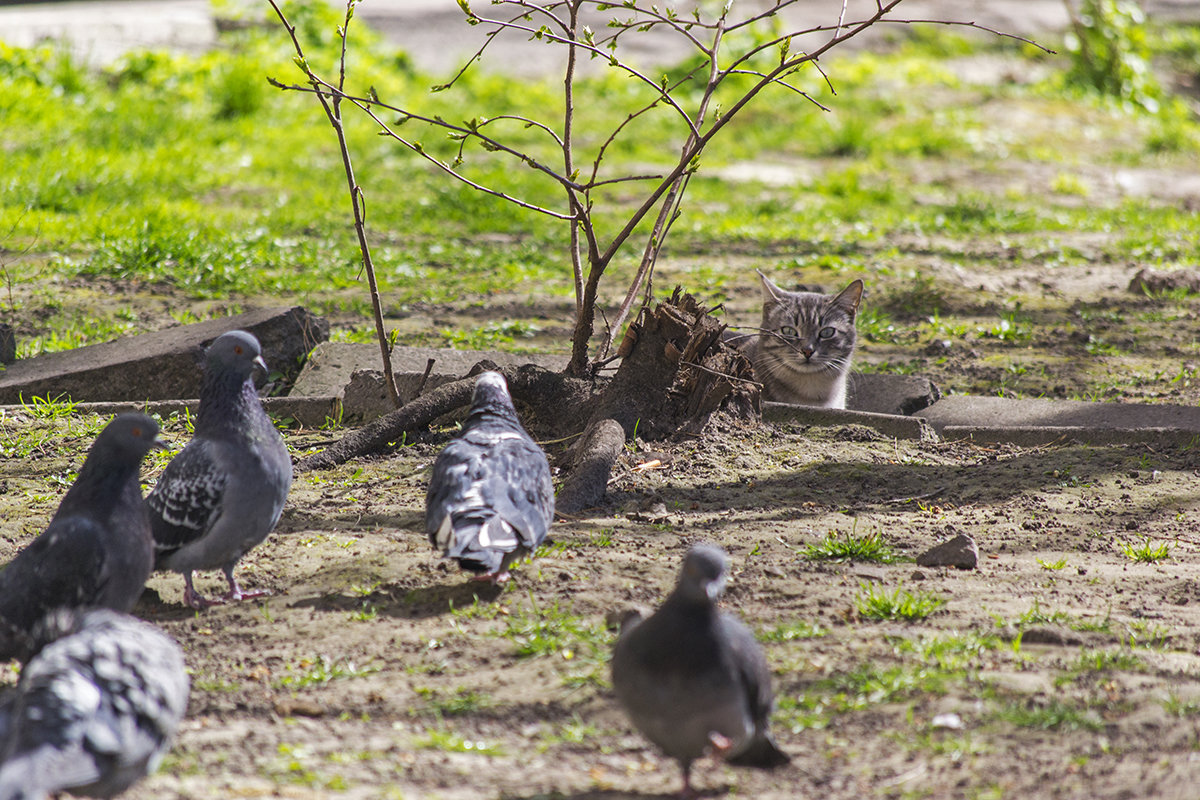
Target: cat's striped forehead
pixel 802 310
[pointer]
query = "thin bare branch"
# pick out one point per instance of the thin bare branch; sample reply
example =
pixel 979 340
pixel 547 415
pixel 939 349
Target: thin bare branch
pixel 331 103
pixel 610 58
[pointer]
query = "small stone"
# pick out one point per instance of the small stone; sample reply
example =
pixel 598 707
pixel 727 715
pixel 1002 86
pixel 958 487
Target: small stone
pixel 917 575
pixel 959 552
pixel 949 721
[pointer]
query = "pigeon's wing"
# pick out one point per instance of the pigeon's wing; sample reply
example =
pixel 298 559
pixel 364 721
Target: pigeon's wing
pixel 754 675
pixel 519 488
pixel 454 475
pixel 66 566
pixel 44 745
pixel 186 502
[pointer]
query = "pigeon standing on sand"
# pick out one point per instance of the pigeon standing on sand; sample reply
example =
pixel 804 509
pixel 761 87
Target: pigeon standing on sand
pixel 693 679
pixel 490 498
pixel 97 550
pixel 224 492
pixel 94 711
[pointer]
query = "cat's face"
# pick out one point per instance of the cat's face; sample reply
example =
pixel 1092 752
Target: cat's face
pixel 808 332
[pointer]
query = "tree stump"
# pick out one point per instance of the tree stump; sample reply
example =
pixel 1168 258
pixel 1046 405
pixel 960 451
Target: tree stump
pixel 676 372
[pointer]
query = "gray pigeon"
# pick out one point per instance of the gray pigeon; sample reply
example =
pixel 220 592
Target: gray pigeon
pixel 94 711
pixel 225 490
pixel 490 498
pixel 694 679
pixel 97 550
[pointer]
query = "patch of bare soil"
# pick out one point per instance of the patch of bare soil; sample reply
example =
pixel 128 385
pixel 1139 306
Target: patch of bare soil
pixel 1059 668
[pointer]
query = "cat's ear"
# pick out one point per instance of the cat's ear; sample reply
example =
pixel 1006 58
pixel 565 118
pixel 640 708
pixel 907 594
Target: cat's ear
pixel 849 298
pixel 771 292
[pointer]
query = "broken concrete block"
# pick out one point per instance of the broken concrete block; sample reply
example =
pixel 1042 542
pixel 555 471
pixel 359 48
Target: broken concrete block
pixel 885 393
pixel 354 372
pixel 162 365
pixel 893 425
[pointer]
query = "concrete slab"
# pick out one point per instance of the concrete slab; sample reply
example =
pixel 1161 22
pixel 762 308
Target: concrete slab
pixel 352 373
pixel 163 365
pixel 1032 436
pixel 999 412
pixel 883 393
pixel 100 33
pixel 331 366
pixel 893 425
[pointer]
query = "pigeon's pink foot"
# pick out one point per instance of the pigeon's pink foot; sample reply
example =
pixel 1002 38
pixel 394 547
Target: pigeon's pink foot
pixel 236 592
pixel 196 600
pixel 234 595
pixel 721 744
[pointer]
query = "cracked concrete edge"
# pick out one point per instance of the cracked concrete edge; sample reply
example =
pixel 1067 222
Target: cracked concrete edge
pixel 893 425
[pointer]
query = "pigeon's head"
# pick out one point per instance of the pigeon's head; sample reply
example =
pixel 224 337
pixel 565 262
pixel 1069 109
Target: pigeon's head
pixel 491 392
pixel 702 577
pixel 130 437
pixel 237 352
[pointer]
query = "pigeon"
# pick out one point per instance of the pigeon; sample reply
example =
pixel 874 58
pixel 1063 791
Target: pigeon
pixel 97 550
pixel 94 711
pixel 693 679
pixel 490 497
pixel 224 492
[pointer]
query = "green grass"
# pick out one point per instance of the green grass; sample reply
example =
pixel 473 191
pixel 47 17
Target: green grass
pixel 190 177
pixel 877 603
pixel 579 646
pixel 454 703
pixel 1146 551
pixel 1054 715
pixel 449 741
pixel 320 670
pixel 851 546
pixel 930 665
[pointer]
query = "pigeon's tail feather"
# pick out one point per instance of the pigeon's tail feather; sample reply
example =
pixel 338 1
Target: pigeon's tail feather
pixel 23 778
pixel 762 753
pixel 480 541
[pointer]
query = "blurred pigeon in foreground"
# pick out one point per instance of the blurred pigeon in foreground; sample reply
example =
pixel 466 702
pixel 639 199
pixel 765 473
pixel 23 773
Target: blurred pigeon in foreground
pixel 693 679
pixel 97 549
pixel 224 492
pixel 490 498
pixel 94 711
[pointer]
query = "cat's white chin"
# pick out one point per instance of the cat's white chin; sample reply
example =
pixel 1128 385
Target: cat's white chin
pixel 807 368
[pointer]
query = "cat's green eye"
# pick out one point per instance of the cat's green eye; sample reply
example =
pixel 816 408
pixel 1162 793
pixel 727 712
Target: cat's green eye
pixel 788 332
pixel 827 333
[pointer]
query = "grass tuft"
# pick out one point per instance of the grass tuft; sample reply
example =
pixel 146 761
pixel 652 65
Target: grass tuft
pixel 901 604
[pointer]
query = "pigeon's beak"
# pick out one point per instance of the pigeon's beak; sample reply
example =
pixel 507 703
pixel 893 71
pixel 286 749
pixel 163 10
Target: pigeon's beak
pixel 714 589
pixel 159 444
pixel 258 362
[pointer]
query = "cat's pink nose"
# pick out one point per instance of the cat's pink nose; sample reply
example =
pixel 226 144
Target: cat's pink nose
pixel 807 351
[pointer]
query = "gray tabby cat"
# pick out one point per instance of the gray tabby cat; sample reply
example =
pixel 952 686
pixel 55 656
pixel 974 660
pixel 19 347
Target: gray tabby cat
pixel 802 353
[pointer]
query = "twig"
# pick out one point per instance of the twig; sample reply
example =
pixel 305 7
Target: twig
pixel 424 377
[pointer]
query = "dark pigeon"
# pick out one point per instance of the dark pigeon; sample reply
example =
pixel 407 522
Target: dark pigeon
pixel 224 492
pixel 94 711
pixel 490 498
pixel 694 679
pixel 97 550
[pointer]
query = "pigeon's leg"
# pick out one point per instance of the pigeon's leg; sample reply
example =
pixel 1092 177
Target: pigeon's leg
pixel 194 598
pixel 236 592
pixel 687 792
pixel 493 577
